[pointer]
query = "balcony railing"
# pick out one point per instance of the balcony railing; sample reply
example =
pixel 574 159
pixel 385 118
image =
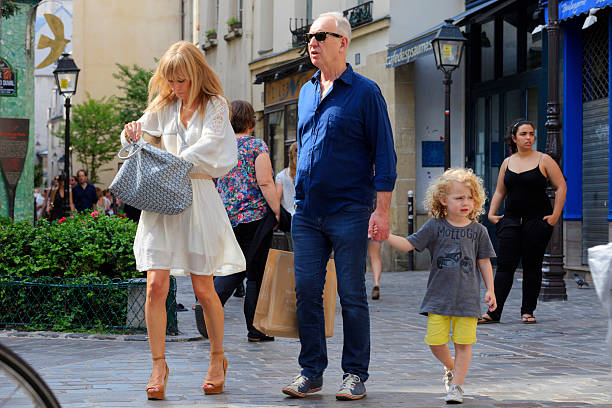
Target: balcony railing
pixel 359 15
pixel 299 29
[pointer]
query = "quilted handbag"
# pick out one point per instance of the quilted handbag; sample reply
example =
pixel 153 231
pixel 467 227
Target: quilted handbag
pixel 153 180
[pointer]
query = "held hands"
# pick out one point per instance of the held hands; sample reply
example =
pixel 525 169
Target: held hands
pixel 490 300
pixel 495 218
pixel 133 131
pixel 378 228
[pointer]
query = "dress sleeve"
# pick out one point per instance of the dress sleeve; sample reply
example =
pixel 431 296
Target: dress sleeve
pixel 151 124
pixel 215 151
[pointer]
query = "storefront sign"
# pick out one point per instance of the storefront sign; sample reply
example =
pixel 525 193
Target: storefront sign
pixel 13 151
pixel 8 83
pixel 287 88
pixel 571 8
pixel 409 52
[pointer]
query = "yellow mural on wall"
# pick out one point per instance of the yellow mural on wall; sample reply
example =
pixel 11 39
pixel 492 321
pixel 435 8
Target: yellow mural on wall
pixel 56 44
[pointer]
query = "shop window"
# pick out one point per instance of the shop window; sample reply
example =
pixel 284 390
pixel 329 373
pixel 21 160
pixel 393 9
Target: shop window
pixel 487 51
pixel 281 132
pixel 510 43
pixel 534 41
pixel 276 138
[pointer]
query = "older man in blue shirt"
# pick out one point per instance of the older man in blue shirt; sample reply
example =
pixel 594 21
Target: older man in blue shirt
pixel 346 158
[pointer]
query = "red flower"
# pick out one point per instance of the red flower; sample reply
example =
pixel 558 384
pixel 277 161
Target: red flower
pixel 93 214
pixel 61 220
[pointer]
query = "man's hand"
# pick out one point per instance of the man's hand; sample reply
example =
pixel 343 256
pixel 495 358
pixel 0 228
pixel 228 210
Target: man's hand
pixel 378 228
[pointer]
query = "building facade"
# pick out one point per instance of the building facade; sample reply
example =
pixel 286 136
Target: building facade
pixel 503 76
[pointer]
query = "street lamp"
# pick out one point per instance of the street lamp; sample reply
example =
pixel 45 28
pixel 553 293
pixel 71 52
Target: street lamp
pixel 66 77
pixel 448 47
pixel 553 285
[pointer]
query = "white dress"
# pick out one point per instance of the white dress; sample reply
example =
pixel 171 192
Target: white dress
pixel 200 240
pixel 288 184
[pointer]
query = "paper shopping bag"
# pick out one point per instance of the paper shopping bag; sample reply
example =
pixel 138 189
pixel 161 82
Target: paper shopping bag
pixel 276 312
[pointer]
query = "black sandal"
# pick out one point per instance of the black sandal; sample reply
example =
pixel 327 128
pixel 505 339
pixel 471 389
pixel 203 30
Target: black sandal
pixel 486 319
pixel 525 319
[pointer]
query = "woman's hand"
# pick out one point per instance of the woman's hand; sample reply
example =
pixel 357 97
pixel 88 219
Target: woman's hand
pixel 551 219
pixel 133 131
pixel 495 218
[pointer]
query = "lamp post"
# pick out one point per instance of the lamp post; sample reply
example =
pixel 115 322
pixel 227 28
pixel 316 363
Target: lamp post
pixel 553 285
pixel 448 47
pixel 66 77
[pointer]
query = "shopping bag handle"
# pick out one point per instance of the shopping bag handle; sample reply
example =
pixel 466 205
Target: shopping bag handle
pixel 135 146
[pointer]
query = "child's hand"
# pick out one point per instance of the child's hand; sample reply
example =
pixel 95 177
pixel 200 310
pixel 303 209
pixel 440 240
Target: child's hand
pixel 490 300
pixel 374 231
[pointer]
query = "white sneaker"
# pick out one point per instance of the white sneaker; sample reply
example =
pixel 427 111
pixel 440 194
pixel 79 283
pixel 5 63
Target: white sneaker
pixel 448 378
pixel 454 395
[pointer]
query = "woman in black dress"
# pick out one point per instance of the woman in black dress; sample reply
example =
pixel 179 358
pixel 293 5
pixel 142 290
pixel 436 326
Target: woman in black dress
pixel 527 224
pixel 56 203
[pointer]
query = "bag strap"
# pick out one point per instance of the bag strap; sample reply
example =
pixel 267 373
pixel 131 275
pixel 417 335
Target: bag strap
pixel 135 146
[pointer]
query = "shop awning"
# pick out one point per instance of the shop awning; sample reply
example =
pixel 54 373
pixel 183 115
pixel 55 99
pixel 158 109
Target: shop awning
pixel 573 8
pixel 420 45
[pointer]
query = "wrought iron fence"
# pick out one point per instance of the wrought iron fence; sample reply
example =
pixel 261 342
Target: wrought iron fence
pixel 79 304
pixel 359 15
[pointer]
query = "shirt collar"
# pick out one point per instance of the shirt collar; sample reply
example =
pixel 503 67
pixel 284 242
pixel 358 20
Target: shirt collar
pixel 346 77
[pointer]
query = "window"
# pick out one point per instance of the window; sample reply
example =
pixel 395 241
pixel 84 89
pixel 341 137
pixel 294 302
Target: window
pixel 280 133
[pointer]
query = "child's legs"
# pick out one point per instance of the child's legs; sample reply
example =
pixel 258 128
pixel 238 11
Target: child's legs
pixel 374 252
pixel 438 329
pixel 464 335
pixel 463 355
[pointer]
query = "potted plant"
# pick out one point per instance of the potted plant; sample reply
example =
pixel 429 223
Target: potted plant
pixel 211 34
pixel 234 23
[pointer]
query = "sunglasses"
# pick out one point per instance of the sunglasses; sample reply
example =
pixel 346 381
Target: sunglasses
pixel 321 36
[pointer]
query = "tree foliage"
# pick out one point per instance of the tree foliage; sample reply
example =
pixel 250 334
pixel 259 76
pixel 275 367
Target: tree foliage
pixel 94 133
pixel 9 8
pixel 134 83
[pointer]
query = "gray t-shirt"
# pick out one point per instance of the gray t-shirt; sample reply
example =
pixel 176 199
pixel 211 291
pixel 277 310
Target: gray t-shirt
pixel 453 288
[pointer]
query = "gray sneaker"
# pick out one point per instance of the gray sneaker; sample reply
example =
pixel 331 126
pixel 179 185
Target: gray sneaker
pixel 352 388
pixel 454 395
pixel 448 378
pixel 301 385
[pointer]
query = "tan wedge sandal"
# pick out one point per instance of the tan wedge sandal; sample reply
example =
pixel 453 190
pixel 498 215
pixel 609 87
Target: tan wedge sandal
pixel 156 391
pixel 211 387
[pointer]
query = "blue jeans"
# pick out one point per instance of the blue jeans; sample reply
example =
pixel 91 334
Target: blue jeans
pixel 346 232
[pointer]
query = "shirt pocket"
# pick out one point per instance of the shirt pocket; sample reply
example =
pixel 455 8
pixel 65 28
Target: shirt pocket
pixel 343 129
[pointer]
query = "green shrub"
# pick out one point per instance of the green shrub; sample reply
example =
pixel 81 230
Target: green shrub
pixel 84 245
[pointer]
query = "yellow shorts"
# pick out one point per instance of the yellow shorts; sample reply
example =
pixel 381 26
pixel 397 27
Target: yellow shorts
pixel 438 329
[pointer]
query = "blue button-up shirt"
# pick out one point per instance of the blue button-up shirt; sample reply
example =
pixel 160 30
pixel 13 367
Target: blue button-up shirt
pixel 345 145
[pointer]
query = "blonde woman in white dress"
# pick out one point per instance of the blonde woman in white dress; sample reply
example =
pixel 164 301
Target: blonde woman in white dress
pixel 186 102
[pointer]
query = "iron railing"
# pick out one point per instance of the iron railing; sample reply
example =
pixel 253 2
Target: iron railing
pixel 299 29
pixel 359 15
pixel 79 304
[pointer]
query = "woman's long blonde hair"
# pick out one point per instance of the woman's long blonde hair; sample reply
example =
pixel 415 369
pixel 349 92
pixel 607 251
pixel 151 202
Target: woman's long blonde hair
pixel 183 60
pixel 292 159
pixel 441 187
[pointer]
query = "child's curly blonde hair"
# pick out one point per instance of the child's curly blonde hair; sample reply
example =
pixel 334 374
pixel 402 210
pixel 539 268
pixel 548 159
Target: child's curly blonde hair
pixel 442 185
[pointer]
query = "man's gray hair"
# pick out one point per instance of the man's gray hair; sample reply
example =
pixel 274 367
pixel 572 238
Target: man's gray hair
pixel 342 24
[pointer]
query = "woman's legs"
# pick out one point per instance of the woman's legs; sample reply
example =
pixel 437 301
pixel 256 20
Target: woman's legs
pixel 158 282
pixel 374 252
pixel 535 238
pixel 508 256
pixel 204 289
pixel 255 272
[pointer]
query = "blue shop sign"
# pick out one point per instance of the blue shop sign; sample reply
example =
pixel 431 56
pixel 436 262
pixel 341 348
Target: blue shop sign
pixel 410 52
pixel 571 8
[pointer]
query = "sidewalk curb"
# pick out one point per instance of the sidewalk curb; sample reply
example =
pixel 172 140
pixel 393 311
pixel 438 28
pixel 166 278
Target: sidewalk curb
pixel 93 336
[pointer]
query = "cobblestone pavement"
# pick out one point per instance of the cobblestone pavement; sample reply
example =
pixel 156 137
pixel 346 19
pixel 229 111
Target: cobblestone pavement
pixel 561 361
